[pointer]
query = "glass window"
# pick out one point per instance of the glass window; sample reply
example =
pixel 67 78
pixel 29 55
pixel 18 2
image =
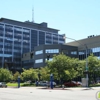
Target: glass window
pixel 81 53
pixel 38 52
pixel 39 61
pixel 52 51
pixel 61 42
pixel 26 30
pixel 61 37
pixel 17 28
pixel 1 26
pixel 96 49
pixel 9 27
pixel 74 52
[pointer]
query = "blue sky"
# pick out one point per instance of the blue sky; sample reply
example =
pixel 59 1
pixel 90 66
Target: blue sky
pixel 76 18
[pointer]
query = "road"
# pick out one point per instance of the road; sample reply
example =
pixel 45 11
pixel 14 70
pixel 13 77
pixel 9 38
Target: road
pixel 31 93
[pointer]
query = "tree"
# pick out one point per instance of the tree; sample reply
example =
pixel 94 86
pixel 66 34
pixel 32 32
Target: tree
pixel 94 67
pixel 15 76
pixel 58 65
pixel 64 67
pixel 45 73
pixel 5 75
pixel 30 74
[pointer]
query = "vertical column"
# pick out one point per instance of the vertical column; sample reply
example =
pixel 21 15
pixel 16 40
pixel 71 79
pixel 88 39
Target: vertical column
pixel 52 38
pixel 45 37
pixel 30 41
pixel 22 42
pixel 21 45
pixel 37 38
pixel 3 46
pixel 58 38
pixel 13 46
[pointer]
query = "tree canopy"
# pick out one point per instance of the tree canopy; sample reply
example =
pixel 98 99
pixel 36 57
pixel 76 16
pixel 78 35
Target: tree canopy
pixel 5 75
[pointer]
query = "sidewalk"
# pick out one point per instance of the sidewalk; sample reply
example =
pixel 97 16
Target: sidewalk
pixel 56 88
pixel 70 88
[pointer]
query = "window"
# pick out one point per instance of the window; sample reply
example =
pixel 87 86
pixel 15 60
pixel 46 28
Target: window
pixel 9 27
pixel 81 52
pixel 39 61
pixel 74 52
pixel 38 52
pixel 52 51
pixel 97 49
pixel 1 26
pixel 26 30
pixel 17 28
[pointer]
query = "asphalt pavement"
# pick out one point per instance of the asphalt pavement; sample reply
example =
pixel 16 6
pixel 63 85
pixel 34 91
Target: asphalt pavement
pixel 44 93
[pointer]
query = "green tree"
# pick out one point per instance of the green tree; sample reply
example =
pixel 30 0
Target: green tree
pixel 5 75
pixel 30 74
pixel 45 73
pixel 64 67
pixel 58 65
pixel 15 76
pixel 94 67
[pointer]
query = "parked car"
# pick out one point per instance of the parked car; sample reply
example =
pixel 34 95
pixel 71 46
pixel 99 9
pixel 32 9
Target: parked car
pixel 3 84
pixel 70 84
pixel 43 83
pixel 79 83
pixel 49 83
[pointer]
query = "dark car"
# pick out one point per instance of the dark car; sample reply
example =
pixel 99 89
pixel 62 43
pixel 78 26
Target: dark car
pixel 3 84
pixel 70 84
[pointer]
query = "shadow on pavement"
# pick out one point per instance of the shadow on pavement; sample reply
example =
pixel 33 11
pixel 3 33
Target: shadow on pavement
pixel 89 88
pixel 45 88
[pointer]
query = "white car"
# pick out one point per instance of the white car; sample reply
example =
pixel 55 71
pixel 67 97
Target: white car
pixel 49 83
pixel 3 84
pixel 43 83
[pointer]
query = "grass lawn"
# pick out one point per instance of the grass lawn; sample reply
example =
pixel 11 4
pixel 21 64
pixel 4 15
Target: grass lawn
pixel 94 85
pixel 21 84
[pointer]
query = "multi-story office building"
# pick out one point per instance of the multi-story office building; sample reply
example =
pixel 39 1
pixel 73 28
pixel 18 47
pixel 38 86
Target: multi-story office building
pixel 18 37
pixel 78 49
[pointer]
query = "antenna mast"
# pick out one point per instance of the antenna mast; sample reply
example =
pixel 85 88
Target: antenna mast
pixel 33 14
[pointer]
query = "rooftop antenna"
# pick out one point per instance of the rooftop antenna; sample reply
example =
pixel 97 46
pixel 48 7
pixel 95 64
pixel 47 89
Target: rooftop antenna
pixel 33 14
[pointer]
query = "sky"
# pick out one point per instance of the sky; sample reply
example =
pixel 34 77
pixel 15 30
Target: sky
pixel 78 19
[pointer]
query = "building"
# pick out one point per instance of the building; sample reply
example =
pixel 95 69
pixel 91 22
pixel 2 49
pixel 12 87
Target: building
pixel 78 49
pixel 87 46
pixel 46 52
pixel 17 38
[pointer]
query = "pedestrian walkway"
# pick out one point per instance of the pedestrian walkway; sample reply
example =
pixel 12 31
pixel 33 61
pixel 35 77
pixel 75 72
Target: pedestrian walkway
pixel 56 88
pixel 71 88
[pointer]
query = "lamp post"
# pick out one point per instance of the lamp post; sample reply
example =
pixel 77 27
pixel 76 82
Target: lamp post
pixel 86 70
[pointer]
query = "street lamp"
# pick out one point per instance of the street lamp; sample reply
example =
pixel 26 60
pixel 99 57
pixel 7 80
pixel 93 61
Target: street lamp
pixel 86 71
